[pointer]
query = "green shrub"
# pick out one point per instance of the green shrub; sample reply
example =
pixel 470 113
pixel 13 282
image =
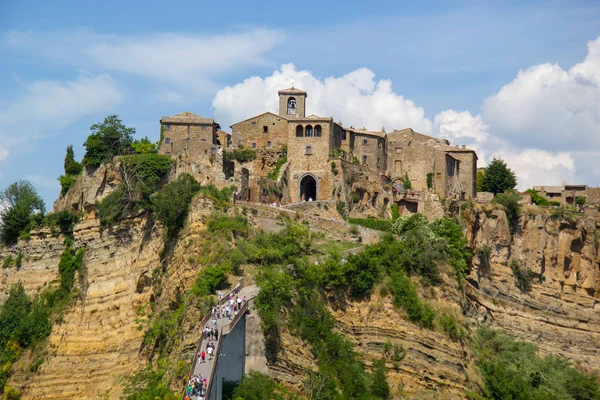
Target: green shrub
pixel 355 160
pixel 450 326
pixel 405 296
pixel 144 146
pixel 257 386
pixel 380 386
pixel 483 253
pixel 65 220
pixel 554 203
pixel 406 182
pixel 429 180
pixel 395 211
pixel 221 198
pixel 22 207
pixel 510 202
pixel 114 206
pixel 66 181
pixel 371 223
pixel 171 203
pixel 340 206
pixel 147 384
pixel 536 198
pixel 580 200
pixel 19 260
pixel 241 155
pixel 514 370
pixel 7 262
pixel 275 172
pixel 523 276
pixel 220 223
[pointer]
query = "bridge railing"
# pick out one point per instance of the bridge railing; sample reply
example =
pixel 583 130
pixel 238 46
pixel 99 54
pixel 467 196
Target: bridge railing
pixel 224 331
pixel 203 323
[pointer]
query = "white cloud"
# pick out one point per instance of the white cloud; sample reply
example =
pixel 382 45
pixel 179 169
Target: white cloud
pixel 47 106
pixel 454 125
pixel 550 108
pixel 355 99
pixel 189 61
pixel 538 167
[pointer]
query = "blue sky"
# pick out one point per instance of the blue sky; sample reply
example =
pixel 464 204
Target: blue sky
pixel 64 65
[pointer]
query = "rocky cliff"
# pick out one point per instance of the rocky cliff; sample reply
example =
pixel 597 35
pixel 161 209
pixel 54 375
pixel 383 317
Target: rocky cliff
pixel 560 311
pixel 100 340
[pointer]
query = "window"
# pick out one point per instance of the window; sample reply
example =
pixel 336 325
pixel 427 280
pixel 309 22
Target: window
pixel 168 153
pixel 308 150
pixel 291 106
pixel 377 162
pixel 364 160
pixel 203 127
pixel 205 152
pixel 253 123
pixel 168 127
pixel 398 150
pixel 213 151
pixel 203 139
pixel 269 143
pixel 318 131
pixel 188 130
pixel 167 140
pixel 253 145
pixel 309 131
pixel 365 141
pixel 299 131
pixel 378 145
pixel 265 129
pixel 343 135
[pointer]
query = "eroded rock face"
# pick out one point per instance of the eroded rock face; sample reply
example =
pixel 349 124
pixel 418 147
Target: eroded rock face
pixel 98 340
pixel 93 185
pixel 561 313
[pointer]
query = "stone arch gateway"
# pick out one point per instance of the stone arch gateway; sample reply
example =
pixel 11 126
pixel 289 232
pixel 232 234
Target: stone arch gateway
pixel 308 187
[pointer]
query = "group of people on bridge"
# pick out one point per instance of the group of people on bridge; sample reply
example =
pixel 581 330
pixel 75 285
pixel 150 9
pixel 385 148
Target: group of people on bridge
pixel 196 387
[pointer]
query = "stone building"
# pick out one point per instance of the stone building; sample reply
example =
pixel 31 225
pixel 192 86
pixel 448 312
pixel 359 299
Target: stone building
pixel 452 170
pixel 567 194
pixel 296 157
pixel 188 134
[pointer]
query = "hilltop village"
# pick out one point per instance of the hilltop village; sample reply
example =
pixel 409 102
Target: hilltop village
pixel 290 157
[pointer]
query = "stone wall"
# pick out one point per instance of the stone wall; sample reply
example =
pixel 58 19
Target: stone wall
pixel 175 134
pixel 251 132
pixel 370 150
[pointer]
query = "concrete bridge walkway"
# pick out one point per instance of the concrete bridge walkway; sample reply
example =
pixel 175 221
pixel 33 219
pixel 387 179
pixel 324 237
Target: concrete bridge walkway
pixel 206 369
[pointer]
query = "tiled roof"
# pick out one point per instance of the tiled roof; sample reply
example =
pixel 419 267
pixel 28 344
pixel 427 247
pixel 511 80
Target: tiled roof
pixel 291 90
pixel 187 118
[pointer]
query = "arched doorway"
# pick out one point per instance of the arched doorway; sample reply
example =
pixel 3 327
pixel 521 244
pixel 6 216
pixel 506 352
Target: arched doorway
pixel 308 188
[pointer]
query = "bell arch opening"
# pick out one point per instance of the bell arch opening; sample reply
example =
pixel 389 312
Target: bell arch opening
pixel 308 188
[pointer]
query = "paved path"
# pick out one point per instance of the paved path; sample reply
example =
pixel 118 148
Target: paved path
pixel 205 368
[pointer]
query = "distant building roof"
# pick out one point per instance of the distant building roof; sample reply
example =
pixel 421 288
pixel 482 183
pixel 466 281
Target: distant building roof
pixel 187 117
pixel 292 90
pixel 222 132
pixel 364 131
pixel 257 116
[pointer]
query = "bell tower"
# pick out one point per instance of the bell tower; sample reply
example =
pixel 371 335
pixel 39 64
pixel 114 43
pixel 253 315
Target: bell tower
pixel 292 103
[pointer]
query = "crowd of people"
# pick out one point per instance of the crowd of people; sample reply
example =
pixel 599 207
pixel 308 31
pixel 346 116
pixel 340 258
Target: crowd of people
pixel 197 384
pixel 196 387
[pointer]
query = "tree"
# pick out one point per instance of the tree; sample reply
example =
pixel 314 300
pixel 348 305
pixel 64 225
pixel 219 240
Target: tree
pixel 380 386
pixel 498 177
pixel 21 204
pixel 479 179
pixel 70 157
pixel 144 146
pixel 108 139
